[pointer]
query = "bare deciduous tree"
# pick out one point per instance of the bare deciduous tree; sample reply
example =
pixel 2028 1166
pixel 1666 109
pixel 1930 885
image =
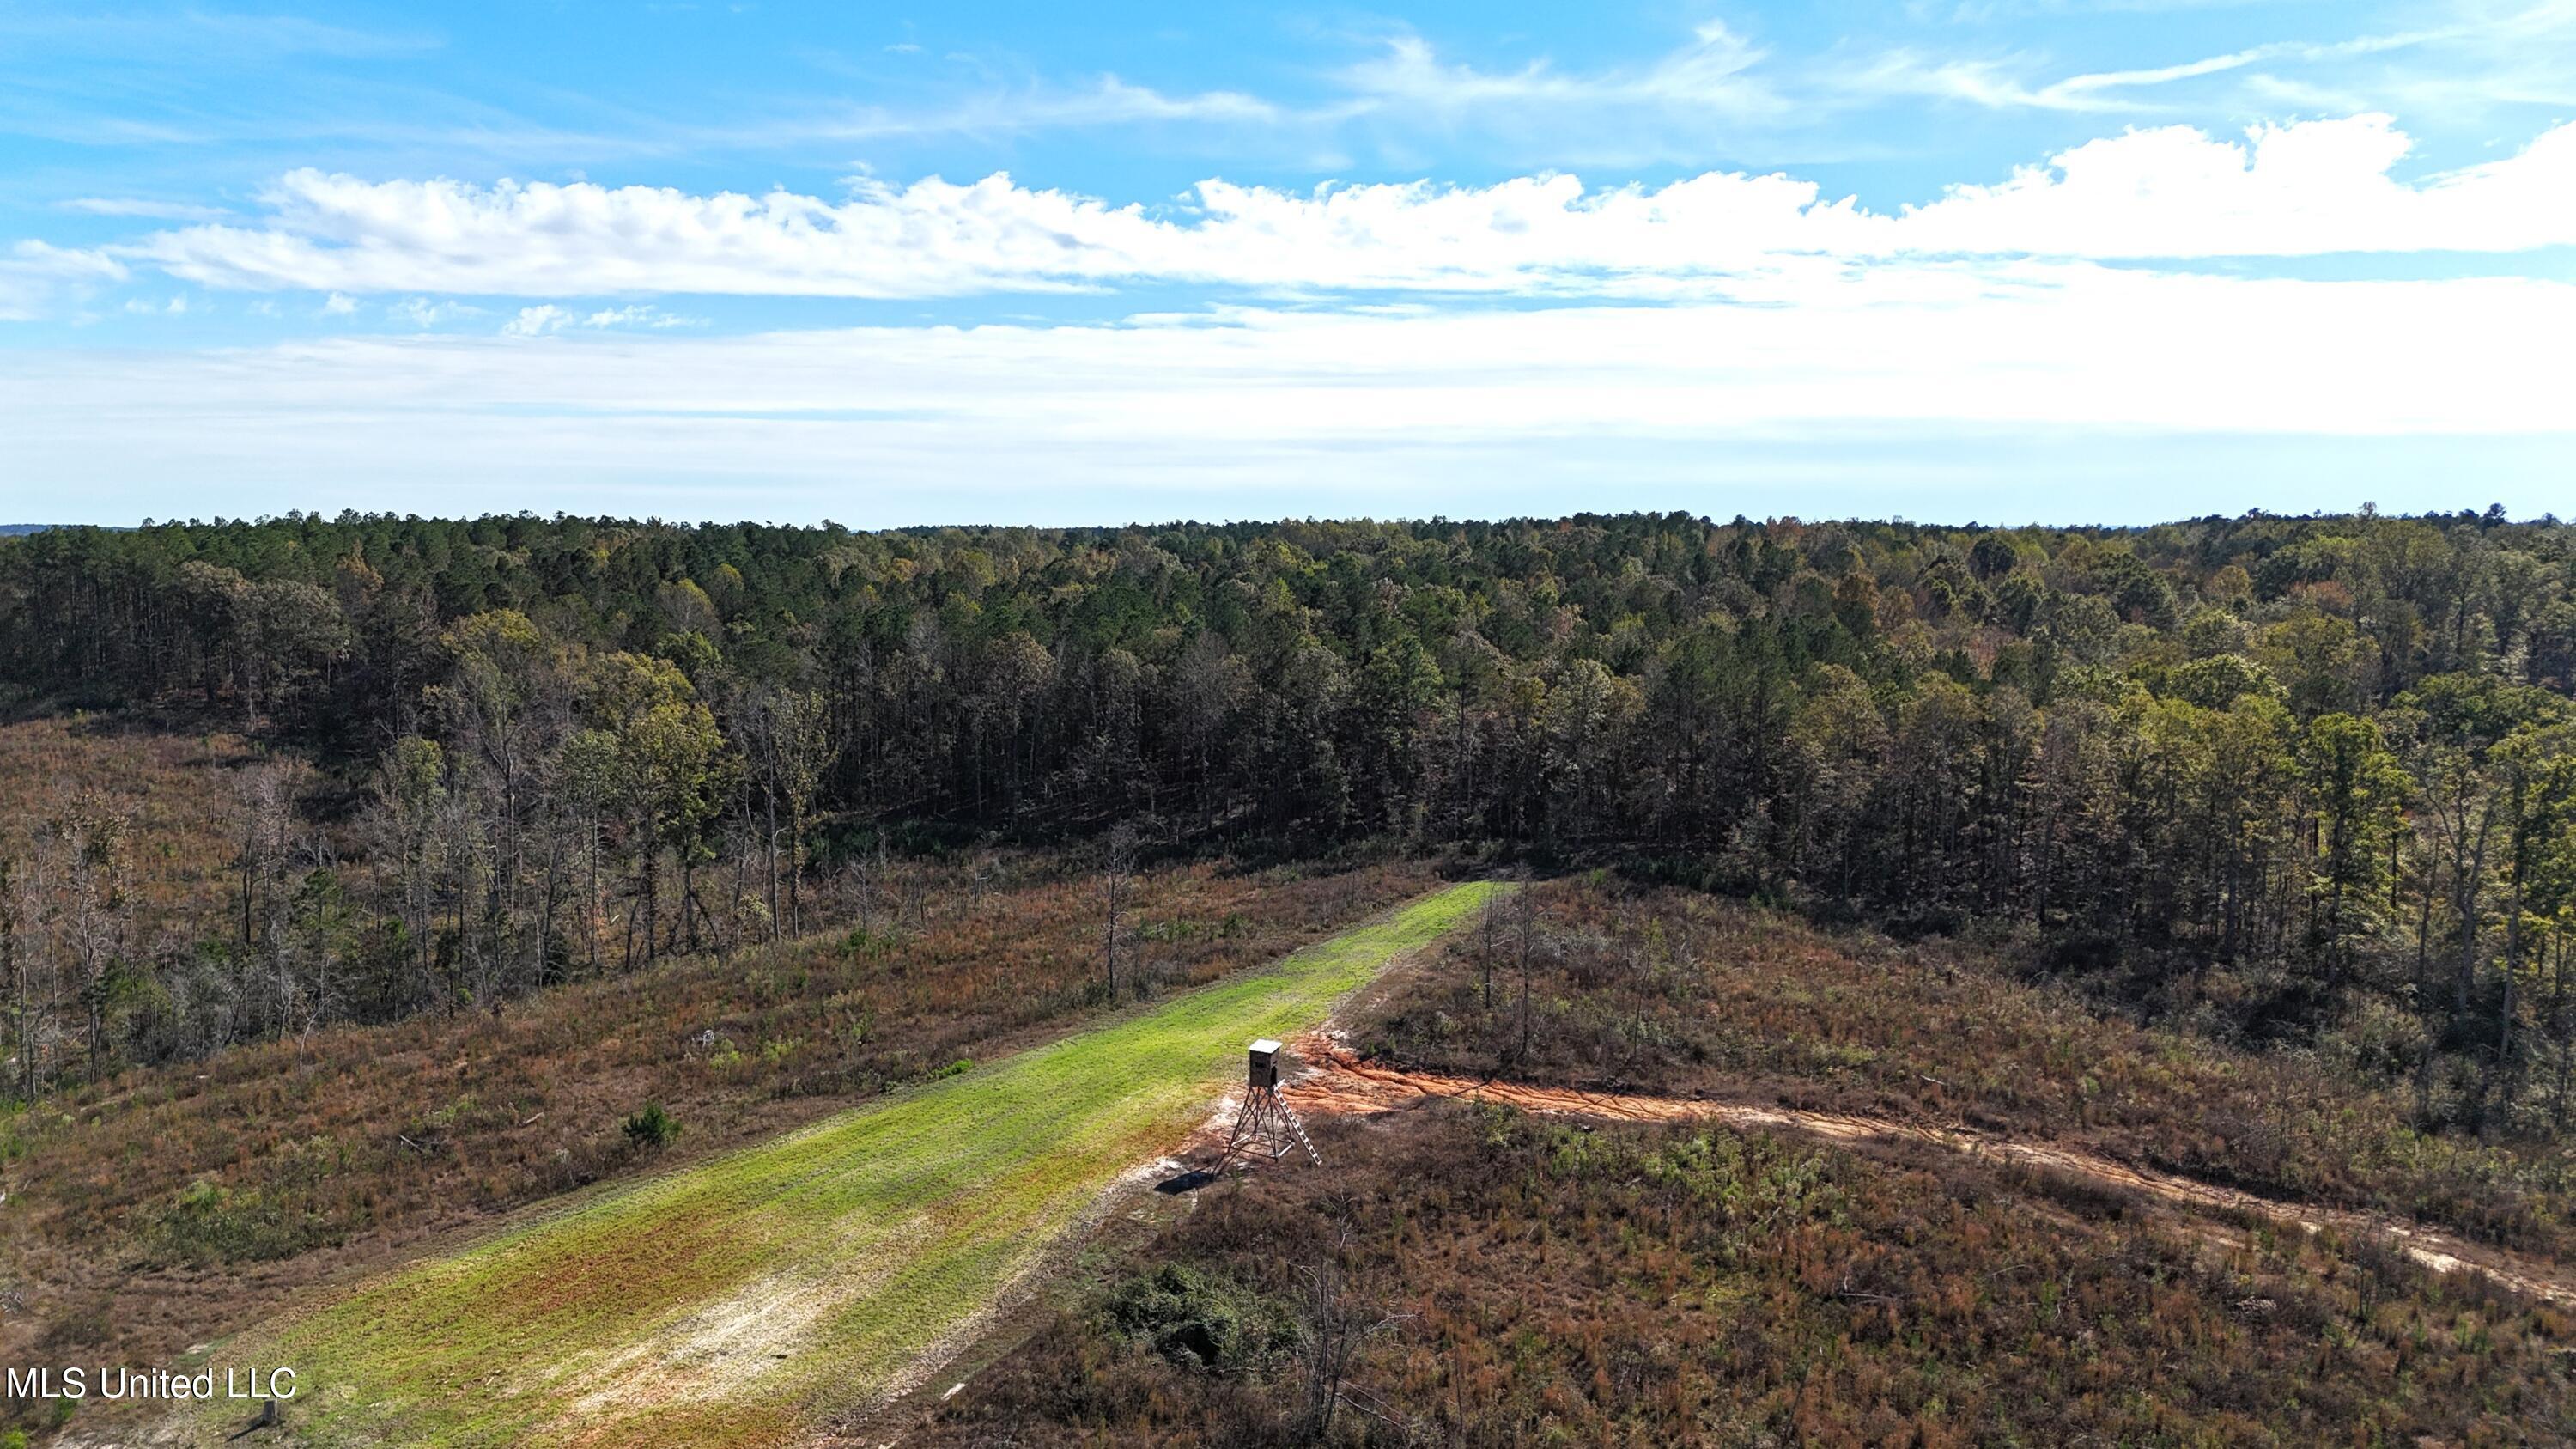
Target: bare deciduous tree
pixel 1331 1327
pixel 14 965
pixel 1525 902
pixel 93 919
pixel 1117 883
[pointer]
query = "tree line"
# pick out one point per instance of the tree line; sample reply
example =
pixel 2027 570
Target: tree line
pixel 2302 780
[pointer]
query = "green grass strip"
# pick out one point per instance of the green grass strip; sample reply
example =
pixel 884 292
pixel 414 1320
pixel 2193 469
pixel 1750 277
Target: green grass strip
pixel 737 1300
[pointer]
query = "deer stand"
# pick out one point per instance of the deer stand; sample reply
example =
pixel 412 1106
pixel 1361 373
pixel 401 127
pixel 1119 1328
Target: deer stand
pixel 1267 1128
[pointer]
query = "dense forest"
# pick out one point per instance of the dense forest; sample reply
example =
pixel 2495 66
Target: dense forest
pixel 2295 782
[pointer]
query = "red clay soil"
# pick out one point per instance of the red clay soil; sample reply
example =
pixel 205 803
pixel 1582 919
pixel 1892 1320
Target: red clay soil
pixel 1338 1082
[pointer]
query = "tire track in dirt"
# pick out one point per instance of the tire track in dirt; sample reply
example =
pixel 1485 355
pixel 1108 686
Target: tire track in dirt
pixel 1338 1082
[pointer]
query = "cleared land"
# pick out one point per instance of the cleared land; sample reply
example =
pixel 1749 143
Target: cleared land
pixel 1680 994
pixel 740 1300
pixel 1866 1192
pixel 1342 1082
pixel 1651 1284
pixel 169 1206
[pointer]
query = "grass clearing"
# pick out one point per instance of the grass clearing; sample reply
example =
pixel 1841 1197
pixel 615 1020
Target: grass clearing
pixel 737 1301
pixel 172 1205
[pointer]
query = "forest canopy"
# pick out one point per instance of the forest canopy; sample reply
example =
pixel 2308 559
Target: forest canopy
pixel 2304 781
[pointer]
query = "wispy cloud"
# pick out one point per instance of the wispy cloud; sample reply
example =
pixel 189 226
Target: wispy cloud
pixel 144 208
pixel 36 279
pixel 1106 101
pixel 1717 91
pixel 203 34
pixel 113 79
pixel 2484 55
pixel 1713 72
pixel 2006 84
pixel 1395 100
pixel 1715 94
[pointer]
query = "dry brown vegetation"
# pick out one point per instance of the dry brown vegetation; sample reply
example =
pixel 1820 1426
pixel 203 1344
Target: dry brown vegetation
pixel 1679 993
pixel 1508 1280
pixel 158 1205
pixel 1339 1082
pixel 175 793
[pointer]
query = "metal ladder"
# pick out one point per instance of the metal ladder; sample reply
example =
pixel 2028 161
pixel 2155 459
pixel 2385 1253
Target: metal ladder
pixel 1297 1129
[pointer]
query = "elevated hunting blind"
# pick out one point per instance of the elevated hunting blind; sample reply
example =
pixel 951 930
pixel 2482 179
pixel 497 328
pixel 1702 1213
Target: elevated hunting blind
pixel 1266 1127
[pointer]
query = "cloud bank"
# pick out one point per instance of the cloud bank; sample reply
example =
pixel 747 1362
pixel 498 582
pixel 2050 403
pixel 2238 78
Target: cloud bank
pixel 1893 380
pixel 2067 344
pixel 2302 189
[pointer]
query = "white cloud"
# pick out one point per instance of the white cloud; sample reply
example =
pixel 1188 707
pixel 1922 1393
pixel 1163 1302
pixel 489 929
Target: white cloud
pixel 931 238
pixel 536 321
pixel 339 304
pixel 423 313
pixel 640 316
pixel 2301 189
pixel 2295 190
pixel 541 320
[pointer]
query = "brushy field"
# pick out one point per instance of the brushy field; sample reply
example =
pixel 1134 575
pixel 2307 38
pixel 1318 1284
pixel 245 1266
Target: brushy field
pixel 742 1299
pixel 1678 993
pixel 178 794
pixel 1504 1280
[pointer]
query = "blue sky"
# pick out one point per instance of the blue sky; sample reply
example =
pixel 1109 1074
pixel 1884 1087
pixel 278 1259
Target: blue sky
pixel 2029 259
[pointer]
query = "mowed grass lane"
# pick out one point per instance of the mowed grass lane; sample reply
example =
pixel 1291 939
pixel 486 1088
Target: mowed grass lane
pixel 740 1300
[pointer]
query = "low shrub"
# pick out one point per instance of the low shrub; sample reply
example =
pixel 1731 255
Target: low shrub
pixel 652 1129
pixel 1197 1319
pixel 211 1223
